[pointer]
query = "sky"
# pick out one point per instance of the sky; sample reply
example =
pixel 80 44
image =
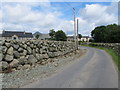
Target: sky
pixel 44 16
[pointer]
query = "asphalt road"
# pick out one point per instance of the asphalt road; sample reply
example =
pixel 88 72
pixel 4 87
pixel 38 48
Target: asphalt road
pixel 94 70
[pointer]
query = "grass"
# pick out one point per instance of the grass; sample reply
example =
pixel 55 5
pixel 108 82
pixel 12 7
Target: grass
pixel 111 52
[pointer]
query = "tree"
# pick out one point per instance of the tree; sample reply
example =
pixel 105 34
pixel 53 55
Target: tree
pixel 106 34
pixel 79 36
pixel 60 36
pixel 37 36
pixel 52 34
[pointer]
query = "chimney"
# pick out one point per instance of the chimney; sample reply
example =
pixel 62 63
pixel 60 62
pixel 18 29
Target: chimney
pixel 24 32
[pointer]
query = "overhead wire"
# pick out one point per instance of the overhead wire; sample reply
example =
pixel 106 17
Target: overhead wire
pixel 71 7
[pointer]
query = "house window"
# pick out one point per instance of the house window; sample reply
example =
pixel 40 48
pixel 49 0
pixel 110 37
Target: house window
pixel 14 37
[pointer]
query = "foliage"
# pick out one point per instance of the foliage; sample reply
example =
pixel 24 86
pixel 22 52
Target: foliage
pixel 79 36
pixel 52 34
pixel 91 40
pixel 37 36
pixel 60 36
pixel 107 34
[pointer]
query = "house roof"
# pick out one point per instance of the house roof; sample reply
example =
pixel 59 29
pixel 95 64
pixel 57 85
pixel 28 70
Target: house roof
pixel 70 36
pixel 18 33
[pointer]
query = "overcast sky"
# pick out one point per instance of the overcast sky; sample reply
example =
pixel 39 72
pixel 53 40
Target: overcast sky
pixel 44 16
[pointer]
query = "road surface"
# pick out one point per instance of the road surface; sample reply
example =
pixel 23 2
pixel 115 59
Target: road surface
pixel 94 70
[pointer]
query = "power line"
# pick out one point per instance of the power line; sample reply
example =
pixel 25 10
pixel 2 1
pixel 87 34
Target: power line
pixel 72 7
pixel 69 5
pixel 77 12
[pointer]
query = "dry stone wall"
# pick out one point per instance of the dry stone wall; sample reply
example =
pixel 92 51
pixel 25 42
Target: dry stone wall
pixel 16 54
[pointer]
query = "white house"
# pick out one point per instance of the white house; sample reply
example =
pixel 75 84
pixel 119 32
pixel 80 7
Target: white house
pixel 85 39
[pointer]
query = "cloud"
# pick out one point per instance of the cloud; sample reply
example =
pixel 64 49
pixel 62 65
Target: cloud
pixel 26 16
pixel 43 16
pixel 96 15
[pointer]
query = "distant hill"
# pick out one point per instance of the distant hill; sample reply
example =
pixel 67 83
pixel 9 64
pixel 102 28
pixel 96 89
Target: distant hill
pixel 41 36
pixel 37 33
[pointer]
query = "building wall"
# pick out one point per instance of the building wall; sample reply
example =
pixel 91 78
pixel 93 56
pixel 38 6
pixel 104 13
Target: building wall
pixel 11 38
pixel 85 39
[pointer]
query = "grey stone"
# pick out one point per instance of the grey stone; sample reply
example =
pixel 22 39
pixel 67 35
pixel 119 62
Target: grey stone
pixel 43 47
pixel 3 65
pixel 40 50
pixel 56 54
pixel 4 49
pixel 31 45
pixel 13 69
pixel 27 56
pixel 21 54
pixel 40 56
pixel 14 63
pixel 7 44
pixel 34 53
pixel 24 52
pixel 45 56
pixel 28 43
pixel 43 62
pixel 35 43
pixel 51 54
pixel 0 49
pixel 22 60
pixel 16 54
pixel 8 57
pixel 37 50
pixel 56 64
pixel 16 46
pixel 1 56
pixel 27 66
pixel 24 46
pixel 29 50
pixel 2 42
pixel 52 49
pixel 21 44
pixel 35 46
pixel 20 50
pixel 10 51
pixel 32 59
pixel 19 67
pixel 37 56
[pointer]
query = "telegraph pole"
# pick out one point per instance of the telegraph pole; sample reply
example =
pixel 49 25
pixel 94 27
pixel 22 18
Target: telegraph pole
pixel 77 33
pixel 75 28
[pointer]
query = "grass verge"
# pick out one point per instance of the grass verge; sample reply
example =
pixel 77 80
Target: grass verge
pixel 111 52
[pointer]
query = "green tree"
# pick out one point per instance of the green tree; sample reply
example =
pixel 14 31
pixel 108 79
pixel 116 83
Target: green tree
pixel 60 36
pixel 79 36
pixel 52 34
pixel 37 36
pixel 106 34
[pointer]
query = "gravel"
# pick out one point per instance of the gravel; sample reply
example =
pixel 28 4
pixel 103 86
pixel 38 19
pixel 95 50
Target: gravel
pixel 20 78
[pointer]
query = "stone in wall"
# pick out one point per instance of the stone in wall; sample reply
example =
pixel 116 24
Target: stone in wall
pixel 32 59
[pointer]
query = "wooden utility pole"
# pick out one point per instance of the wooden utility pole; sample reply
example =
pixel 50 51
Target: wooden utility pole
pixel 77 33
pixel 75 28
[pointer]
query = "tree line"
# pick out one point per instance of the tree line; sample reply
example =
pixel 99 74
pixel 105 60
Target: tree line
pixel 58 35
pixel 106 34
